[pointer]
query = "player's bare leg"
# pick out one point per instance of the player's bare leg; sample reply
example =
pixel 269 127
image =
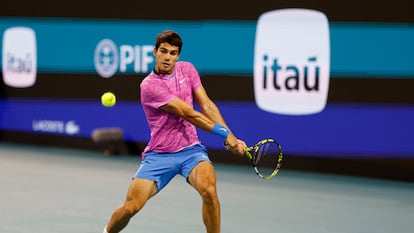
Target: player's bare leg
pixel 203 179
pixel 140 190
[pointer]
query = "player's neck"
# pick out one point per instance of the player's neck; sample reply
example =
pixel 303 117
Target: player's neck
pixel 157 72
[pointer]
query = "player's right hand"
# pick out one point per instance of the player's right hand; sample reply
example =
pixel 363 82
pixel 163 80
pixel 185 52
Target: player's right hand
pixel 235 145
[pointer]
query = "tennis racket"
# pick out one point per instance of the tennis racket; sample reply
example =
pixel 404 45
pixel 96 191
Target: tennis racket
pixel 266 158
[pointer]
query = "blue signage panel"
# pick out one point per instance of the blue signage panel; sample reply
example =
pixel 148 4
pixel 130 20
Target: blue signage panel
pixel 342 130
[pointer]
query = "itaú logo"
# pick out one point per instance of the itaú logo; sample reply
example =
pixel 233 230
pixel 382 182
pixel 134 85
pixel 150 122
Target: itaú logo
pixel 19 57
pixel 292 61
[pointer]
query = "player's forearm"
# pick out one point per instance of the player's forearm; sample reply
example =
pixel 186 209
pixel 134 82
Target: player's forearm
pixel 206 120
pixel 212 112
pixel 200 120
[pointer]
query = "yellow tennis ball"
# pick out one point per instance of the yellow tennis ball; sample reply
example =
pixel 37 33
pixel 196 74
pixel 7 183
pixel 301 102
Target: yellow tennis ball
pixel 108 99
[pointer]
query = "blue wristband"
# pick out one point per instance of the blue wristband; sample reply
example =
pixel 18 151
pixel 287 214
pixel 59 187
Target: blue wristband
pixel 220 130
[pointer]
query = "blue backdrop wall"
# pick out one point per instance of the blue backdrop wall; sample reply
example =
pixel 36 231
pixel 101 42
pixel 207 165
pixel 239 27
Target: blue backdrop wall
pixel 369 108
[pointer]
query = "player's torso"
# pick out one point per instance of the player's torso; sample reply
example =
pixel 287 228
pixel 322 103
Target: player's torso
pixel 179 84
pixel 169 131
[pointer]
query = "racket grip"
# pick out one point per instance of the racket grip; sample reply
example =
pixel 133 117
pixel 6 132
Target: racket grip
pixel 248 154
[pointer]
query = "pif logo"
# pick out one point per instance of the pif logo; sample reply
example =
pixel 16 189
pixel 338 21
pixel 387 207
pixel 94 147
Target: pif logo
pixel 292 61
pixel 108 58
pixel 19 57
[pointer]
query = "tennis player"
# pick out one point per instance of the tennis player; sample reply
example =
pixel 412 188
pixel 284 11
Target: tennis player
pixel 167 96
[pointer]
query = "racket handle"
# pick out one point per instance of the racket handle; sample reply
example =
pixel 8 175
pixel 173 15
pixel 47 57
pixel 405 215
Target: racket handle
pixel 248 154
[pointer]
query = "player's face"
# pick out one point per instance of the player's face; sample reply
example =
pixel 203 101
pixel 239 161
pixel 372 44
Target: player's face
pixel 165 58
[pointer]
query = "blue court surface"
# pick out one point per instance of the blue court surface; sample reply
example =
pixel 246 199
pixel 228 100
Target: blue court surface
pixel 55 190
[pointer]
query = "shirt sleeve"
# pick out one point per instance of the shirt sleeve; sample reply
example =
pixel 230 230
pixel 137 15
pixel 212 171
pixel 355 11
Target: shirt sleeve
pixel 195 77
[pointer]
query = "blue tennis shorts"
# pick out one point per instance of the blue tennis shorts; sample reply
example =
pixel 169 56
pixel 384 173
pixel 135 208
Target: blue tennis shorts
pixel 163 167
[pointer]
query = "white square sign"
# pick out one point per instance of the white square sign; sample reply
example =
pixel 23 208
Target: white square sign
pixel 19 57
pixel 292 61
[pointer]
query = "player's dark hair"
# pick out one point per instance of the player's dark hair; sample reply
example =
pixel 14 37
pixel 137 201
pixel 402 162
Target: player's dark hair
pixel 171 37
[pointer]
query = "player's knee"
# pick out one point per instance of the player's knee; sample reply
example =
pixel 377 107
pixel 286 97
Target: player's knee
pixel 209 193
pixel 131 208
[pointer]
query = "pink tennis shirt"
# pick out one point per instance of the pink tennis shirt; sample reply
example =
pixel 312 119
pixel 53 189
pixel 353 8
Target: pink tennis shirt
pixel 169 132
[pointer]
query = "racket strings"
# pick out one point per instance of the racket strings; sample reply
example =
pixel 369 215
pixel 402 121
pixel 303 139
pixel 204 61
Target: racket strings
pixel 266 158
